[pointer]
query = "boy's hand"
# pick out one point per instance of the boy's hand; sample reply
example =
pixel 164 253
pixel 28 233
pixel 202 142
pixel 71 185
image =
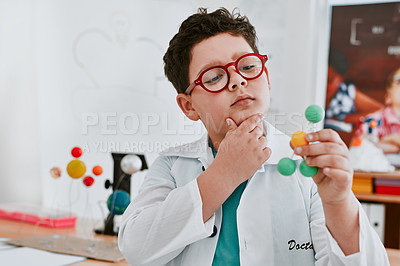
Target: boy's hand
pixel 244 148
pixel 330 154
pixel 242 151
pixel 334 180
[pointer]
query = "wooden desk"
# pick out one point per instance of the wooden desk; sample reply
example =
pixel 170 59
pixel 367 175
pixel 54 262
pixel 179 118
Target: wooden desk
pixel 394 256
pixel 15 229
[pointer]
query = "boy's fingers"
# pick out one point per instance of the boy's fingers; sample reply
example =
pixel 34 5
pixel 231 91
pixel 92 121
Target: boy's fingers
pixel 325 135
pixel 267 153
pixel 321 148
pixel 339 175
pixel 251 123
pixel 231 124
pixel 342 177
pixel 258 130
pixel 263 141
pixel 330 161
pixel 319 176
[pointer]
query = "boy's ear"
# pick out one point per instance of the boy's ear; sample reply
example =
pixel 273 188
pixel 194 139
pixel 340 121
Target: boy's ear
pixel 185 103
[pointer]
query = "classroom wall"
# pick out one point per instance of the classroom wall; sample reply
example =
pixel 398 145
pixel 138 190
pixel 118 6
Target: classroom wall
pixel 19 157
pixel 80 82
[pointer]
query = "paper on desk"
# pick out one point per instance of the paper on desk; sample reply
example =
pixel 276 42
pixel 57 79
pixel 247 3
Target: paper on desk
pixel 95 249
pixel 22 256
pixel 6 246
pixel 3 245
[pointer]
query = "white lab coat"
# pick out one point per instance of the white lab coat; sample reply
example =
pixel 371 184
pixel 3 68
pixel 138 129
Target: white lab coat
pixel 280 219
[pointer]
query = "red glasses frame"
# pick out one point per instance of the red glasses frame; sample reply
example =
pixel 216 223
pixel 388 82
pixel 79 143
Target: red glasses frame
pixel 263 58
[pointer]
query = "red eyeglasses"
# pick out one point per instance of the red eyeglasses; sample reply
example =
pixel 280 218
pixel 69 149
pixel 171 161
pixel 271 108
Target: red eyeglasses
pixel 215 79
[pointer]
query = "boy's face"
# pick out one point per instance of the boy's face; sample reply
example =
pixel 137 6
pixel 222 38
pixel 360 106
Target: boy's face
pixel 393 93
pixel 214 108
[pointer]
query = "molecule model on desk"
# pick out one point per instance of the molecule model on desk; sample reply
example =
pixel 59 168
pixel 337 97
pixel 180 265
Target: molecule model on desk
pixel 287 166
pixel 77 169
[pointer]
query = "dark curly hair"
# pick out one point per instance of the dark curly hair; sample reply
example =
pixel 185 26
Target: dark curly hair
pixel 196 28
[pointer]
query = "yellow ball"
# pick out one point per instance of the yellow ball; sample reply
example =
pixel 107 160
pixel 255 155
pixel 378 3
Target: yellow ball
pixel 76 168
pixel 299 139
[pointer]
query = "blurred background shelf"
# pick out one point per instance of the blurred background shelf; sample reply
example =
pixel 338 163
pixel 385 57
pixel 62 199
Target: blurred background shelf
pixel 391 205
pixel 378 198
pixel 361 174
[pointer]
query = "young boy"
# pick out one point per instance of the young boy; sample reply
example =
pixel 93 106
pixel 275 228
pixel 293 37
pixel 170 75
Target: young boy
pixel 220 200
pixel 389 129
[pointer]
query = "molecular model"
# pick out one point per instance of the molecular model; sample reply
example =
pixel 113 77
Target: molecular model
pixel 77 169
pixel 287 166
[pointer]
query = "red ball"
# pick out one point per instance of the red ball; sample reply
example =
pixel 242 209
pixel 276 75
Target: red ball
pixel 97 170
pixel 76 152
pixel 88 181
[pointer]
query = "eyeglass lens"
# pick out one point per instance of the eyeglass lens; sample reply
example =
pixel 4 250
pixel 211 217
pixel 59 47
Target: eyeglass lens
pixel 217 78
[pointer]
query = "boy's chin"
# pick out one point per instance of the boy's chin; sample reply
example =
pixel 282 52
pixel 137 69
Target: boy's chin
pixel 241 119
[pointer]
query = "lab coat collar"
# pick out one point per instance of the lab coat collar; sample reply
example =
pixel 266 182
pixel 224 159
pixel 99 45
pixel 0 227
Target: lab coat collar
pixel 197 149
pixel 277 141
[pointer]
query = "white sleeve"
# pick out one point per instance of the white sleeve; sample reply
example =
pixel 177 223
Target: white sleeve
pixel 327 250
pixel 162 220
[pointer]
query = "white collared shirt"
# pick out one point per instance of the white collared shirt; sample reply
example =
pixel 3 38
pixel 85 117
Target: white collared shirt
pixel 280 218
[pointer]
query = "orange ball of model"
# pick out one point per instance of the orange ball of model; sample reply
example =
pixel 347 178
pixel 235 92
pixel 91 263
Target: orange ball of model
pixel 97 170
pixel 299 138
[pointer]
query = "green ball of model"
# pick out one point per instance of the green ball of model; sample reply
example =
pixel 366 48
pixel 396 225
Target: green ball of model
pixel 286 166
pixel 308 171
pixel 315 113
